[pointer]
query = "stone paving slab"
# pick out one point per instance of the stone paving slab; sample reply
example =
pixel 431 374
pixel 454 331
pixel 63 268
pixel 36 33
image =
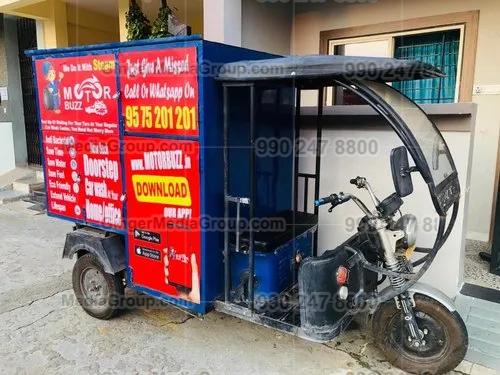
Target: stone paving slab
pixel 43 331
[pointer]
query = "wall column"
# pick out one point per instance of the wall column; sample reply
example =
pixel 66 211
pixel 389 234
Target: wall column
pixel 222 21
pixel 55 28
pixel 7 151
pixel 15 96
pixel 50 15
pixel 122 13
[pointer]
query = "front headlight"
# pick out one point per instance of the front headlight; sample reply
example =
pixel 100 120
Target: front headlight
pixel 408 224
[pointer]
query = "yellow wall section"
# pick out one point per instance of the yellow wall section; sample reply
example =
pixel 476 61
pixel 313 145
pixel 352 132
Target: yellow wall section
pixel 187 12
pixel 66 24
pixel 87 27
pixel 55 27
pixel 122 10
pixel 52 13
pixel 69 25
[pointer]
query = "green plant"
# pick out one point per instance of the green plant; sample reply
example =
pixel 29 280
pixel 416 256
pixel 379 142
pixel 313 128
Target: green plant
pixel 137 24
pixel 160 25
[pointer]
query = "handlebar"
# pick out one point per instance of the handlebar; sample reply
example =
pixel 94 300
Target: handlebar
pixel 337 199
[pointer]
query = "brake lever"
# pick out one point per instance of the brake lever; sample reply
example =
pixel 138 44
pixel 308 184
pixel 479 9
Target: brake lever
pixel 340 198
pixel 359 182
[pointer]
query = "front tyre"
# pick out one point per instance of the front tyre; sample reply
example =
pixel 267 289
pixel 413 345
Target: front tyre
pixel 98 292
pixel 445 337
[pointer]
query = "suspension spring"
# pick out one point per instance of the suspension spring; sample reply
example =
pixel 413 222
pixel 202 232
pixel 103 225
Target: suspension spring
pixel 400 266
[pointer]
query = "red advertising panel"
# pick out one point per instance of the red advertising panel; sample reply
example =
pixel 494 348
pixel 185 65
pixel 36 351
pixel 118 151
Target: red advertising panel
pixel 163 195
pixel 79 117
pixel 78 94
pixel 65 193
pixel 160 91
pixel 102 180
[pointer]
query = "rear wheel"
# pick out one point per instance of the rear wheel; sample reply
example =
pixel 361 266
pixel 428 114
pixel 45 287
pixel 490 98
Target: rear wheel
pixel 98 292
pixel 444 343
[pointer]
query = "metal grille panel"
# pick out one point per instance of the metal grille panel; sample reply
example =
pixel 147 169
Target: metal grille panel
pixel 26 37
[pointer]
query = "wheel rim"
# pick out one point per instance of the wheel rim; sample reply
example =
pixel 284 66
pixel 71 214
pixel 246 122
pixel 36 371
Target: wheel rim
pixel 434 342
pixel 94 288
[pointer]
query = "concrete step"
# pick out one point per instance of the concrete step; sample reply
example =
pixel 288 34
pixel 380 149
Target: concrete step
pixel 39 196
pixel 8 178
pixel 482 319
pixel 27 184
pixel 9 196
pixel 21 183
pixel 39 175
pixel 6 187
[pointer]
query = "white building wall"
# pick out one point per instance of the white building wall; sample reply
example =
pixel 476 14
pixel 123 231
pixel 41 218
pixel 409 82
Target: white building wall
pixel 222 21
pixel 266 26
pixel 7 155
pixel 261 23
pixel 339 164
pixel 312 17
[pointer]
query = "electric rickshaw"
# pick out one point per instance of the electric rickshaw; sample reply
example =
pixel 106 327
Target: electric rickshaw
pixel 262 264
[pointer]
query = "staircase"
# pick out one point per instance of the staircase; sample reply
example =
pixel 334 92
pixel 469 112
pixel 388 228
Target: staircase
pixel 480 310
pixel 22 183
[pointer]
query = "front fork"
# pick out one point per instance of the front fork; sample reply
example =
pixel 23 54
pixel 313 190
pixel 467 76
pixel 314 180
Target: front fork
pixel 404 301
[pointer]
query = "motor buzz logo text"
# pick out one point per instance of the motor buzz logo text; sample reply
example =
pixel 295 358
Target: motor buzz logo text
pixel 88 94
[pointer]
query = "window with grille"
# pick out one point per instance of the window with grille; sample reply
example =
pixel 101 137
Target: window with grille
pixel 440 49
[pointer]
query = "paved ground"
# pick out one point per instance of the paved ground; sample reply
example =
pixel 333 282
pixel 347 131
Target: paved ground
pixel 43 331
pixel 476 270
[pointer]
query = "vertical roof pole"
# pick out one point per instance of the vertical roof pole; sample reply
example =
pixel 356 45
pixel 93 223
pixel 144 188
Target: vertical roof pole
pixel 296 124
pixel 319 135
pixel 227 264
pixel 251 257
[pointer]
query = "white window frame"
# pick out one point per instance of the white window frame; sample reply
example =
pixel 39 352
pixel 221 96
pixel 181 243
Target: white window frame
pixel 390 38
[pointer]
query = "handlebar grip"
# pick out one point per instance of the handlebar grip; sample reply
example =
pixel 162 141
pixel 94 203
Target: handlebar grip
pixel 322 201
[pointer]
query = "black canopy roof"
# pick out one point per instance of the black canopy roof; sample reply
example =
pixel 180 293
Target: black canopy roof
pixel 323 67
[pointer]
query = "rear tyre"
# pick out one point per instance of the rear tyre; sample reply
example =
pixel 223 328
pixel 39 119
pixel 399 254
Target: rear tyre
pixel 445 337
pixel 99 293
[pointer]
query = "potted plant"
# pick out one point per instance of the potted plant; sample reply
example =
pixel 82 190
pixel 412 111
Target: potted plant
pixel 160 25
pixel 137 24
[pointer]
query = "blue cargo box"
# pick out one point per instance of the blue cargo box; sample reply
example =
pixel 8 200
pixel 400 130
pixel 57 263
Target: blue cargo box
pixel 209 165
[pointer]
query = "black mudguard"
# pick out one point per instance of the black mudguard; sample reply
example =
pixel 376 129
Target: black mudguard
pixel 108 248
pixel 323 314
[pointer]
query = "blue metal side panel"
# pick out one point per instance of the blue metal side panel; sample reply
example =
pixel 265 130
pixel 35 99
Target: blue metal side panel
pixel 215 54
pixel 274 162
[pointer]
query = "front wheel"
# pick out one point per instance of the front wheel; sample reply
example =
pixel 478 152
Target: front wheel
pixel 445 337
